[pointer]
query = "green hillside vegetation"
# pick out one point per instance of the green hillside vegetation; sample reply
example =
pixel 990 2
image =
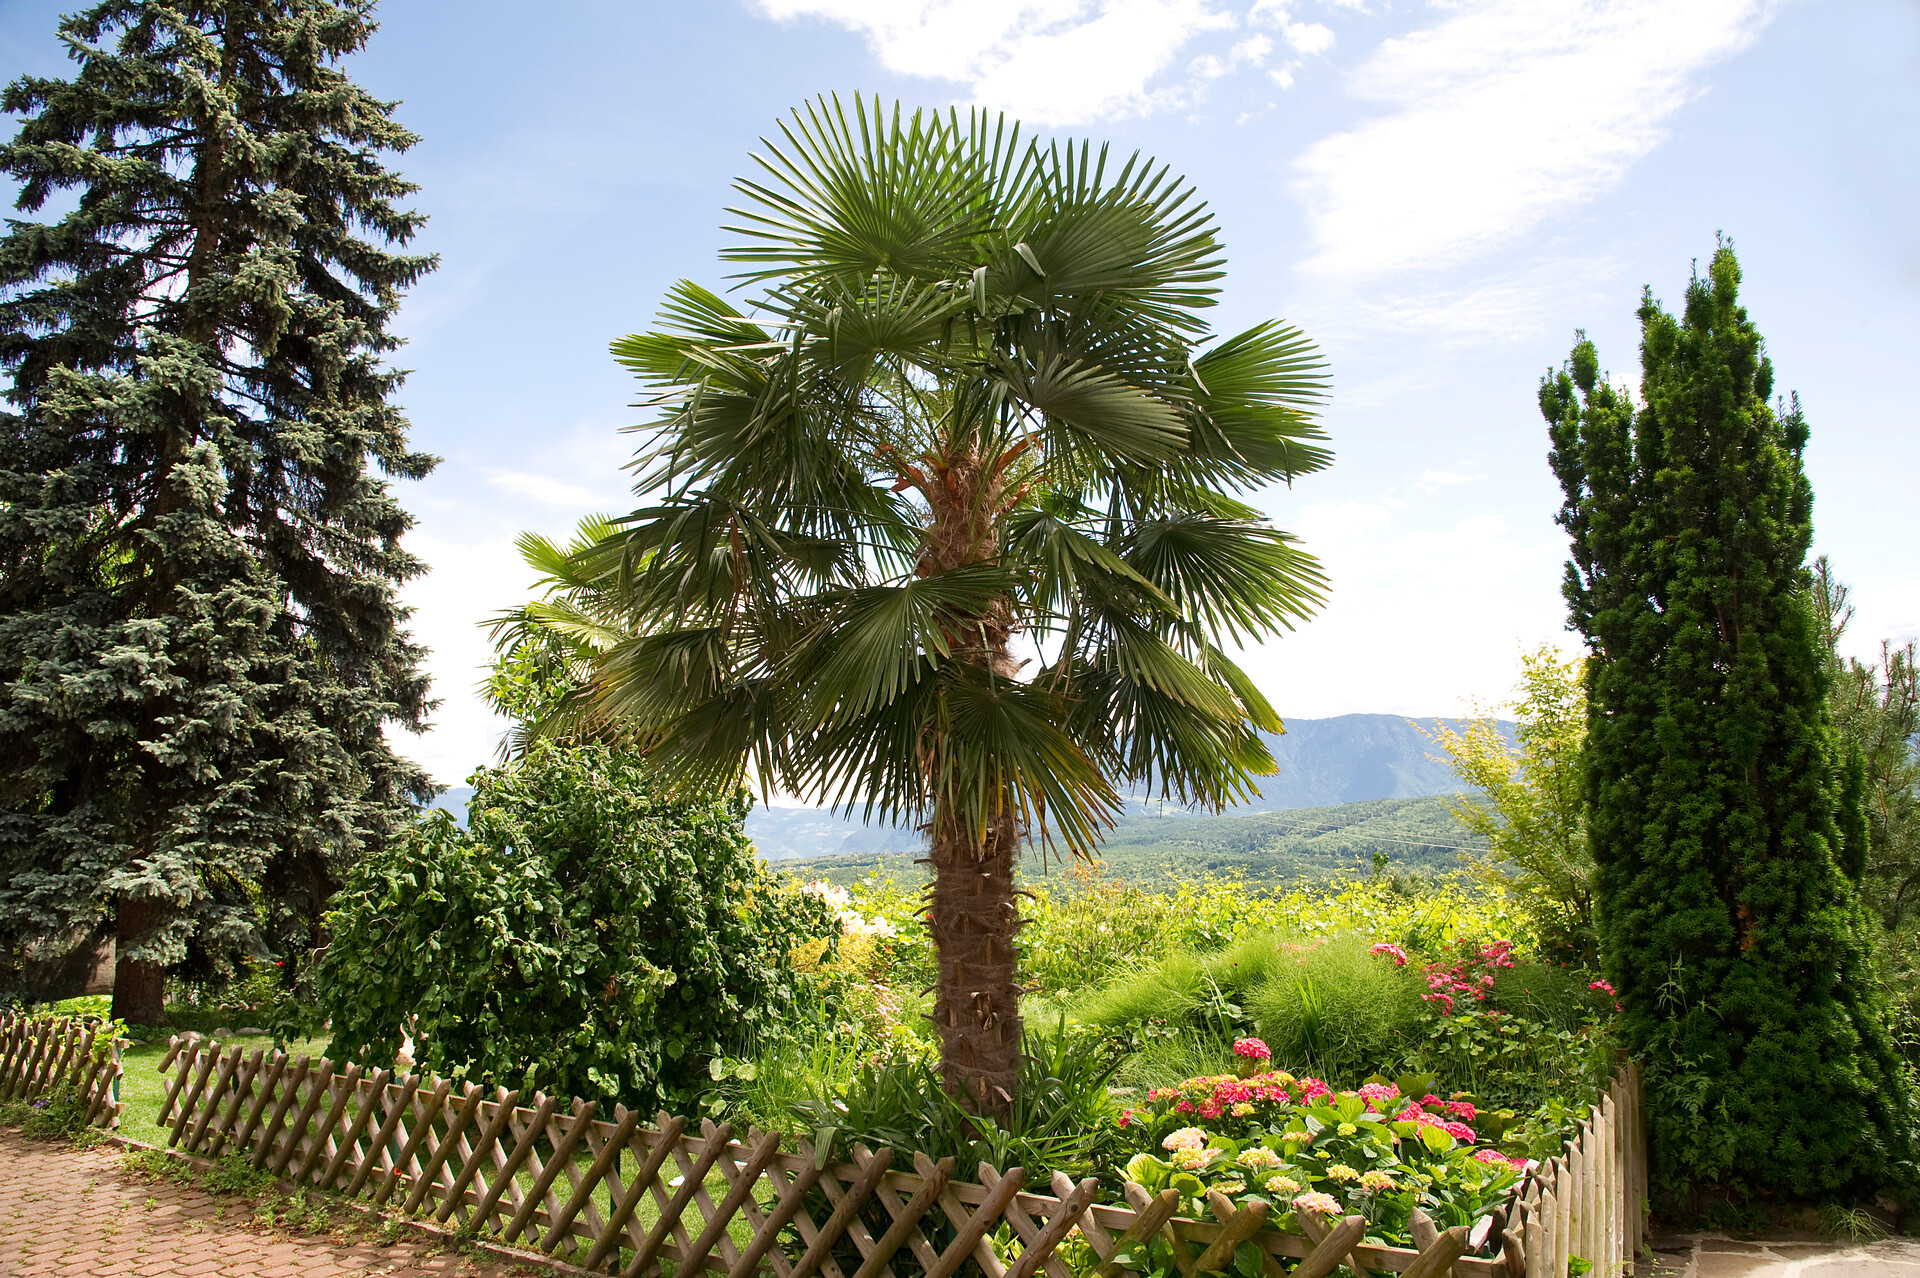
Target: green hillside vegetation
pixel 1416 836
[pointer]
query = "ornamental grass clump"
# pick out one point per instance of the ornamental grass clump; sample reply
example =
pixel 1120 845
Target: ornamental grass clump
pixel 1332 1007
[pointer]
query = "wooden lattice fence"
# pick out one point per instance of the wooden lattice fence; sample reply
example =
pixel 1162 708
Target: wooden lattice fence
pixel 1590 1201
pixel 37 1053
pixel 623 1196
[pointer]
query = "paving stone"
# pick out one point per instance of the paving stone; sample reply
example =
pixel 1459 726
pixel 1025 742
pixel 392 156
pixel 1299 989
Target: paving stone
pixel 1729 1265
pixel 68 1213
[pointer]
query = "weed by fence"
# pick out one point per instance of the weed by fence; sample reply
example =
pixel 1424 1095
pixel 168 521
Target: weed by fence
pixel 38 1053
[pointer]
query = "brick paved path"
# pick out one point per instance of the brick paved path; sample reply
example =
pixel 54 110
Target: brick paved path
pixel 69 1212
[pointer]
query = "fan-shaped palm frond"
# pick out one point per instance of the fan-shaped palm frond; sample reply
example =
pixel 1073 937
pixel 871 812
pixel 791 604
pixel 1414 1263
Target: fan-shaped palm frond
pixel 972 406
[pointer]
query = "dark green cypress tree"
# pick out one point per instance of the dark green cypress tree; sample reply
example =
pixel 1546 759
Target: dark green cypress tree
pixel 1717 802
pixel 200 640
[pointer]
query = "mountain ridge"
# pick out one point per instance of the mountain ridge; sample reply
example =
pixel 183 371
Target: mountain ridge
pixel 1323 763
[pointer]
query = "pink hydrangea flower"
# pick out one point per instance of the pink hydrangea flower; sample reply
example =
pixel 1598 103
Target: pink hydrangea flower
pixel 1185 1138
pixel 1312 1089
pixel 1326 1204
pixel 1253 1049
pixel 1462 1110
pixel 1461 1132
pixel 1392 951
pixel 1378 1094
pixel 1489 1156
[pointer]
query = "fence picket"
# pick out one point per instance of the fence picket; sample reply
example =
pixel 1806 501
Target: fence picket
pixel 503 1111
pixel 543 1180
pixel 222 1076
pixel 200 1077
pixel 521 1151
pixel 389 1124
pixel 318 1084
pixel 241 1093
pixel 693 1173
pixel 425 1114
pixel 444 1147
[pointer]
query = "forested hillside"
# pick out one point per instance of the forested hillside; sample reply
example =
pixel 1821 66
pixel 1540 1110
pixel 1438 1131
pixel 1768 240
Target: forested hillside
pixel 1413 835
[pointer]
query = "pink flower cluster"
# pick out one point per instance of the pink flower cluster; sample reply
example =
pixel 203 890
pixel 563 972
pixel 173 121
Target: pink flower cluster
pixel 1394 952
pixel 1253 1049
pixel 1377 1094
pixel 1419 1113
pixel 1604 987
pixel 1447 983
pixel 1495 1156
pixel 1212 1095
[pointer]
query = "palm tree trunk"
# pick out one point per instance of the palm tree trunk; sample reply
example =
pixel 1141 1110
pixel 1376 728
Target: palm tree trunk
pixel 973 919
pixel 971 910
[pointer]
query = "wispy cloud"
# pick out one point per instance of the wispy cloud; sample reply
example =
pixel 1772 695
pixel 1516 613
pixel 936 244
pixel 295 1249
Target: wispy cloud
pixel 1047 61
pixel 544 489
pixel 1502 115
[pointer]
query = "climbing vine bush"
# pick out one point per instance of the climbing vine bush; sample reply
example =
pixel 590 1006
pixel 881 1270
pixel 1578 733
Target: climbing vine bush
pixel 586 936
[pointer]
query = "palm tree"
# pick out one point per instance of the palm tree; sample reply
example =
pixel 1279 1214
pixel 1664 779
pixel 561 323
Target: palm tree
pixel 945 529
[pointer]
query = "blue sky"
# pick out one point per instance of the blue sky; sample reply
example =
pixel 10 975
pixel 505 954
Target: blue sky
pixel 1438 193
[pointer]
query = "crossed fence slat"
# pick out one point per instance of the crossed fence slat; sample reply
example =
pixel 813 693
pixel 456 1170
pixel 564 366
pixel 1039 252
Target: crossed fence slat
pixel 40 1053
pixel 564 1179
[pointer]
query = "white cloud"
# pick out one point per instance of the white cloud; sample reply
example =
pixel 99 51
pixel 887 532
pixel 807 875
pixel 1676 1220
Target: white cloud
pixel 1251 51
pixel 1308 38
pixel 542 488
pixel 474 573
pixel 1427 614
pixel 1047 61
pixel 1501 115
pixel 467 583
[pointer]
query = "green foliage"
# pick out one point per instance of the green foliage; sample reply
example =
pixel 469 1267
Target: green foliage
pixel 586 936
pixel 1171 990
pixel 975 396
pixel 1876 716
pixel 1720 814
pixel 1530 808
pixel 263 996
pixel 201 640
pixel 1299 1147
pixel 59 1114
pixel 1062 1118
pixel 1332 1008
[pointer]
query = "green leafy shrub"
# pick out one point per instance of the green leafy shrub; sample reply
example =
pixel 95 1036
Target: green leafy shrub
pixel 1332 1008
pixel 587 937
pixel 1525 1035
pixel 1301 1147
pixel 1063 1117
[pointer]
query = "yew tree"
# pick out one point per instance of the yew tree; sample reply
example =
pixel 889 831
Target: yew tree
pixel 946 523
pixel 1724 822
